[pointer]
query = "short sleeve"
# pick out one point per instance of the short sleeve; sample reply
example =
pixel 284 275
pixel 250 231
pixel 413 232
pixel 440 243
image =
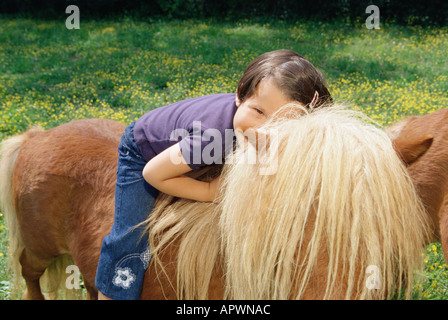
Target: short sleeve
pixel 203 147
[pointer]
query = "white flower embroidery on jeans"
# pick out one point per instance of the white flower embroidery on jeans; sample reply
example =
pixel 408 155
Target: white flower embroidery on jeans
pixel 123 278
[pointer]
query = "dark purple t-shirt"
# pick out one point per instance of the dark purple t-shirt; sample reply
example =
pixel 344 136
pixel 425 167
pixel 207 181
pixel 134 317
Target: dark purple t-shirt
pixel 203 127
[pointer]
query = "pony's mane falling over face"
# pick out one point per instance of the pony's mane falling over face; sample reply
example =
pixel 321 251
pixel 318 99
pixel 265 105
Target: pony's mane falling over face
pixel 339 201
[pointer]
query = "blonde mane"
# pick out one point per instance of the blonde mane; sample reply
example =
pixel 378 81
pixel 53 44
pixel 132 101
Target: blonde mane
pixel 339 202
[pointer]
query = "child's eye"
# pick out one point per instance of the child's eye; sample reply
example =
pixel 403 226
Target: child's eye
pixel 258 111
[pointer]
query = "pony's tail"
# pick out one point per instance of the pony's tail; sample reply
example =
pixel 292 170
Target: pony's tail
pixel 9 149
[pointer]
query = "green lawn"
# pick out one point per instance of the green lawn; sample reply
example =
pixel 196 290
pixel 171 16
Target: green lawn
pixel 121 69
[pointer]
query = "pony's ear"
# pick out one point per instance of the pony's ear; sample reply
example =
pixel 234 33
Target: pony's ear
pixel 410 150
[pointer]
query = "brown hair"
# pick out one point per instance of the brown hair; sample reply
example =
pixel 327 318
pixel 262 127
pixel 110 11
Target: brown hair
pixel 291 72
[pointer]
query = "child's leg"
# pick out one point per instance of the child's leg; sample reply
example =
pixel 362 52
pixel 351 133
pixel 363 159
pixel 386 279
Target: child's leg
pixel 125 252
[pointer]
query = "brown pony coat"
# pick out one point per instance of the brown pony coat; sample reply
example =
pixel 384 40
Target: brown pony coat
pixel 63 205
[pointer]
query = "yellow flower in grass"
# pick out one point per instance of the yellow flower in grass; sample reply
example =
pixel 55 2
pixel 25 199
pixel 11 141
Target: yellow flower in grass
pixel 434 249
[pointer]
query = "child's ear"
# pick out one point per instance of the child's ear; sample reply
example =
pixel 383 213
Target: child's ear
pixel 237 101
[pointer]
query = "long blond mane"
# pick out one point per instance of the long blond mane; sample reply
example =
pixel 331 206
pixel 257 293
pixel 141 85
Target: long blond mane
pixel 339 203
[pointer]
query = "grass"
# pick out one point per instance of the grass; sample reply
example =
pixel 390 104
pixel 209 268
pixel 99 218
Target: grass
pixel 121 69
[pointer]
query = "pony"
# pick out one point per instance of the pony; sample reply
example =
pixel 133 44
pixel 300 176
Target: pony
pixel 333 222
pixel 422 143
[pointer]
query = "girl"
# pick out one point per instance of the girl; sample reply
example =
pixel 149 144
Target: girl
pixel 146 166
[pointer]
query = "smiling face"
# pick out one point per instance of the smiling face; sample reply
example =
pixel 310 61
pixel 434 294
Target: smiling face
pixel 257 109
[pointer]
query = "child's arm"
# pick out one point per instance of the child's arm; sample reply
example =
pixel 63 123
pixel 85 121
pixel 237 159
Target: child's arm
pixel 165 173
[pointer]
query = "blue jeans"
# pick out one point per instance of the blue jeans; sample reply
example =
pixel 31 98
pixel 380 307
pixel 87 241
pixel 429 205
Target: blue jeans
pixel 125 252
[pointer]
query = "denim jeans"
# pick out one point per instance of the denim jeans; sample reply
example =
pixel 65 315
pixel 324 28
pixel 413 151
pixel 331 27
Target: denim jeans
pixel 125 252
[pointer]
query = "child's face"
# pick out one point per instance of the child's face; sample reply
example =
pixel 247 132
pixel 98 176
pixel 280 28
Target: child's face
pixel 257 109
